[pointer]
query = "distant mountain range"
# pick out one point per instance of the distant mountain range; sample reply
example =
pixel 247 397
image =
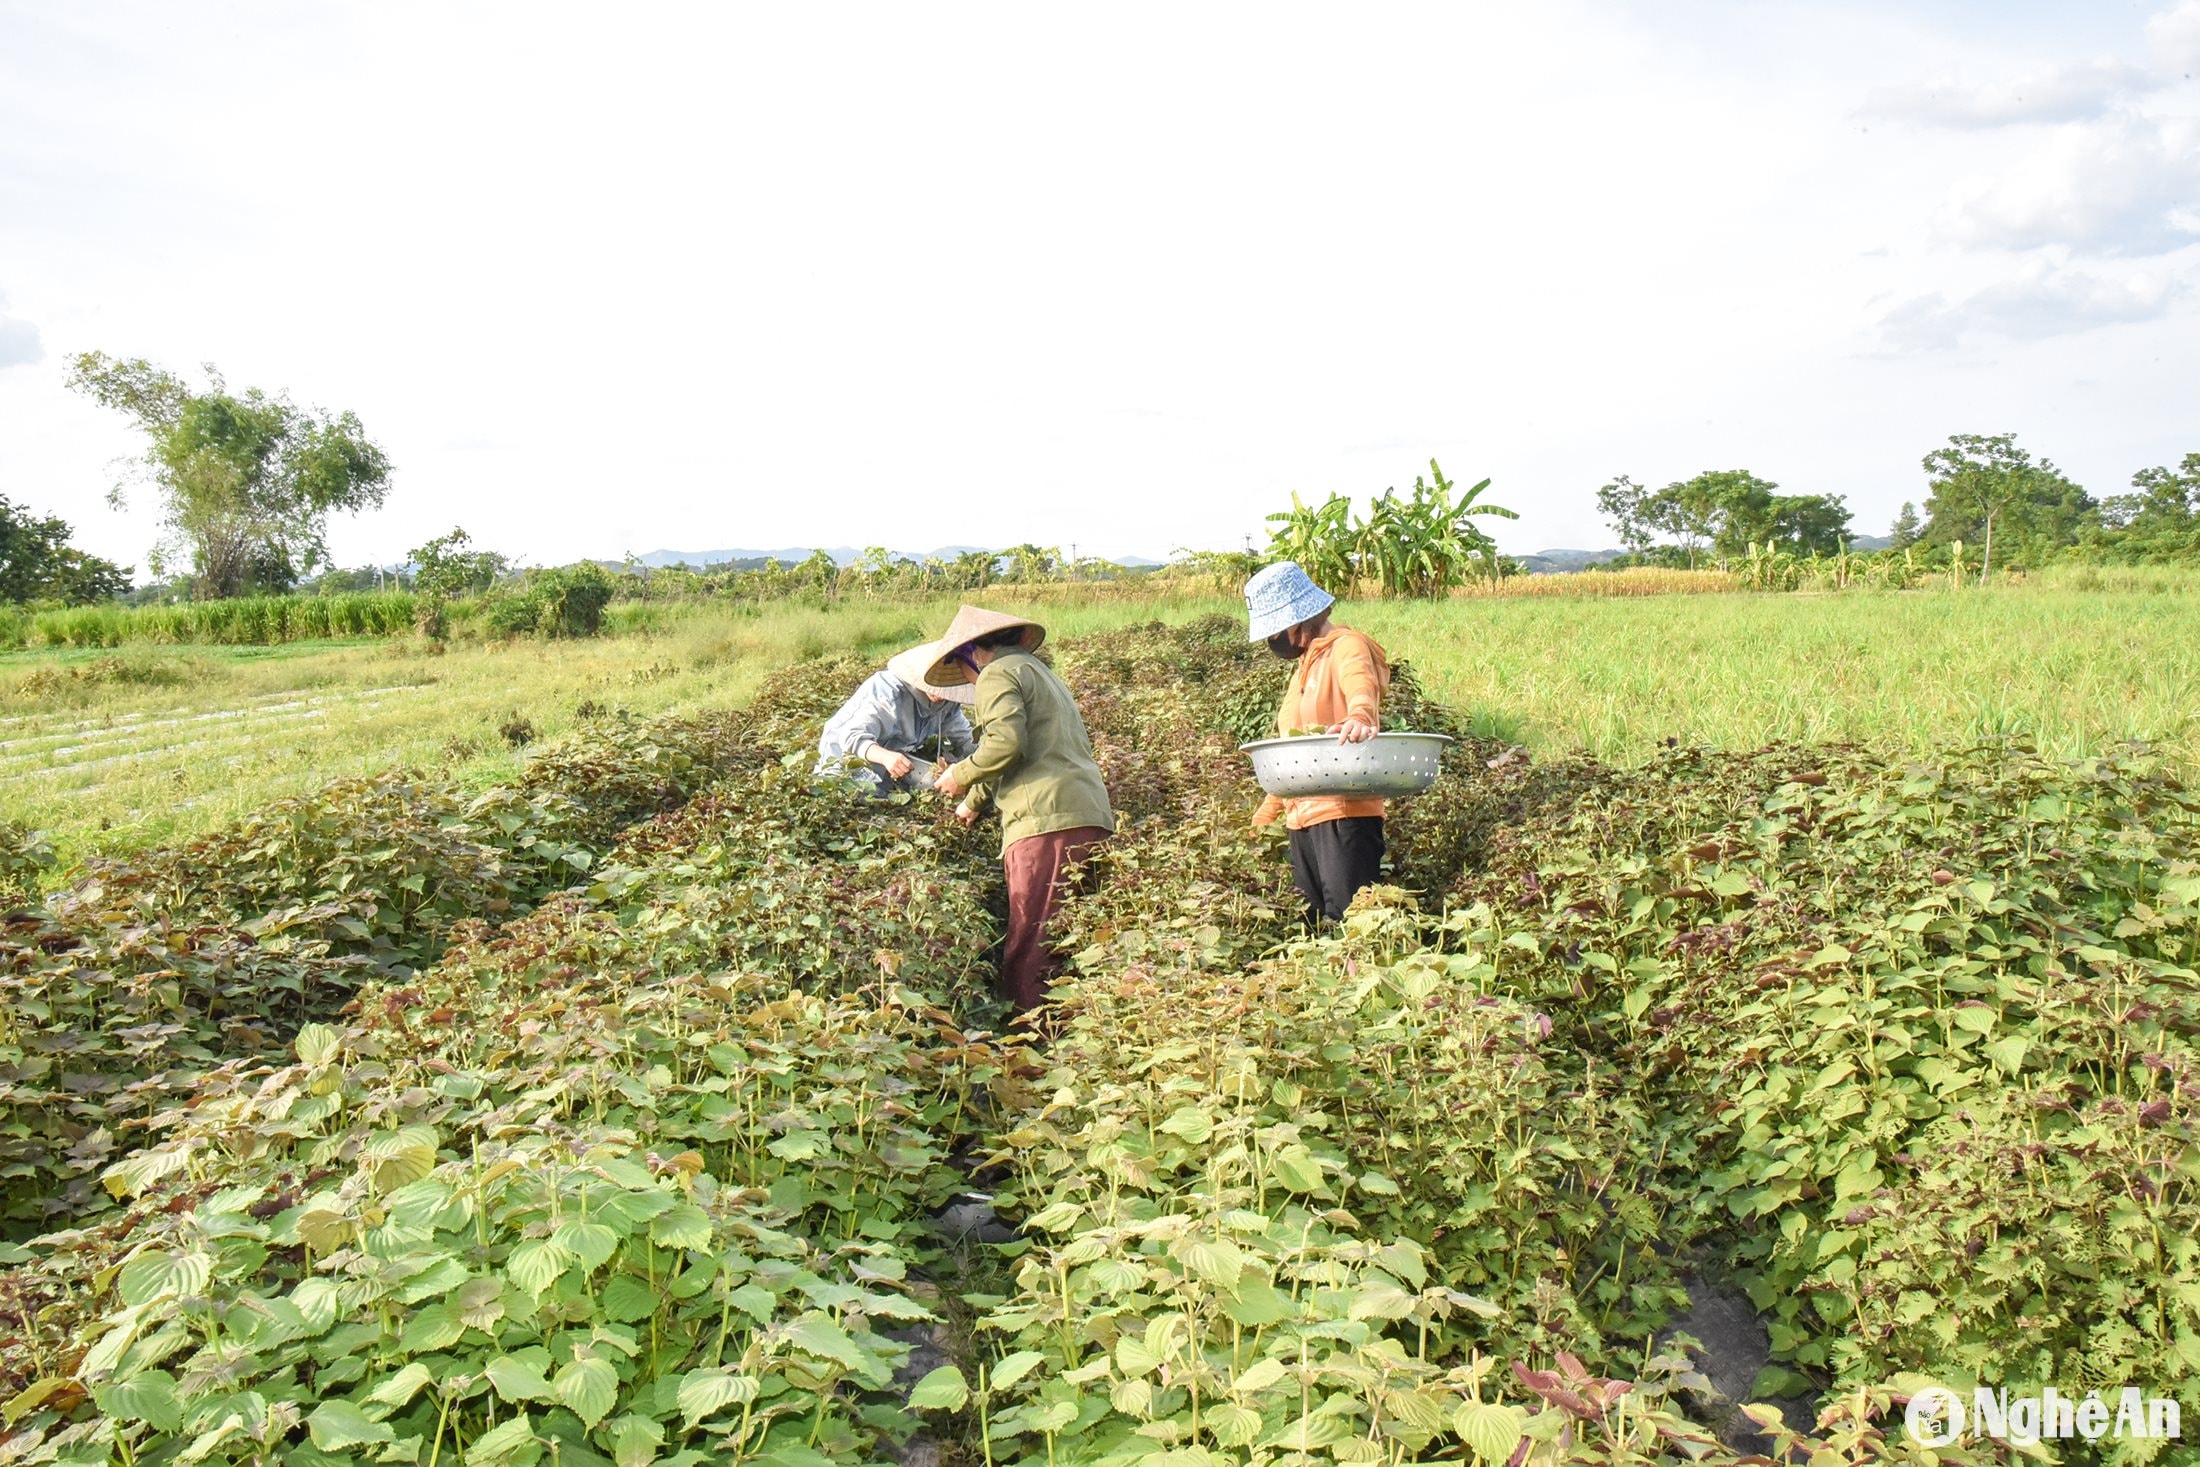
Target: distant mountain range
pixel 1554 562
pixel 841 555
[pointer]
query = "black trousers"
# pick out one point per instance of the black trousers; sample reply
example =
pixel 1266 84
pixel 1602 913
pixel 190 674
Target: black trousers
pixel 1333 860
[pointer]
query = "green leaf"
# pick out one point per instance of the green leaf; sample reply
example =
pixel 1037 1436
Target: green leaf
pixel 1297 1169
pixel 1493 1431
pixel 755 1301
pixel 592 1243
pixel 1233 1425
pixel 315 1044
pixel 943 1390
pixel 1380 1301
pixel 2009 1052
pixel 1190 1123
pixel 136 1173
pixel 479 1302
pixel 149 1276
pixel 401 1387
pixel 1058 1218
pixel 816 1333
pixel 1134 1358
pixel 500 1441
pixel 1013 1368
pixel 209 1439
pixel 1977 1018
pixel 537 1264
pixel 517 1380
pixel 338 1426
pixel 635 1440
pixel 1131 1397
pixel 683 1226
pixel 31 1398
pixel 1257 1304
pixel 1310 1432
pixel 627 1298
pixel 149 1396
pixel 1216 1262
pixel 1257 1376
pixel 706 1392
pixel 590 1388
pixel 436 1327
pixel 398 1158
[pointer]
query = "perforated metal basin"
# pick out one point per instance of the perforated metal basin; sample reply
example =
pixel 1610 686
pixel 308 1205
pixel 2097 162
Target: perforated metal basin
pixel 1389 764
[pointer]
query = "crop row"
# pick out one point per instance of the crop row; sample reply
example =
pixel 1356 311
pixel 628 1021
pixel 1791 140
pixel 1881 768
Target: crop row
pixel 607 1117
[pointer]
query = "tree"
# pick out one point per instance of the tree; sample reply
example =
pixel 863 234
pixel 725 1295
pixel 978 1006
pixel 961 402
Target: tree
pixel 445 568
pixel 1028 563
pixel 1728 510
pixel 1623 503
pixel 1904 533
pixel 1690 512
pixel 37 562
pixel 247 481
pixel 2161 520
pixel 1983 484
pixel 972 570
pixel 1810 524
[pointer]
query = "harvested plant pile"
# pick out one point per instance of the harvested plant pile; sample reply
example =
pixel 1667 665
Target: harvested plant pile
pixel 606 1118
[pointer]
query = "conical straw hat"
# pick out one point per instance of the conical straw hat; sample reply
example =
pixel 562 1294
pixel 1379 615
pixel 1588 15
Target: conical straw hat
pixel 912 663
pixel 971 623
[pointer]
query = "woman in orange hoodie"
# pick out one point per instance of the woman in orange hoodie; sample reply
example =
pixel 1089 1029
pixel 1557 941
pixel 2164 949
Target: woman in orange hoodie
pixel 1338 687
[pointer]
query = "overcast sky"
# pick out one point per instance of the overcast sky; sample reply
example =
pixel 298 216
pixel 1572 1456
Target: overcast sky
pixel 626 277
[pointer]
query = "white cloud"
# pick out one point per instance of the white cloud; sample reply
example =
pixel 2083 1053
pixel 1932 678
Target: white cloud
pixel 19 343
pixel 2122 185
pixel 2173 35
pixel 2042 301
pixel 784 274
pixel 2066 94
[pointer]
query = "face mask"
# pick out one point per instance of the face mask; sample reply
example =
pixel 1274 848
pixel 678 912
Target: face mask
pixel 1282 646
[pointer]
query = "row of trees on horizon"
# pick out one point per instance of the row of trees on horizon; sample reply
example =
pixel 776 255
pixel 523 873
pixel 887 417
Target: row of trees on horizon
pixel 247 482
pixel 1982 490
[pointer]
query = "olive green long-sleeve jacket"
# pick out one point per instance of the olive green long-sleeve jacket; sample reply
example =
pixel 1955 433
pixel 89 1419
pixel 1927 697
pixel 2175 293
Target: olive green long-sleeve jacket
pixel 1033 752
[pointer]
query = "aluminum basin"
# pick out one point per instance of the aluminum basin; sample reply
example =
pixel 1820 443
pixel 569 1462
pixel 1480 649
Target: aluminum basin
pixel 1389 764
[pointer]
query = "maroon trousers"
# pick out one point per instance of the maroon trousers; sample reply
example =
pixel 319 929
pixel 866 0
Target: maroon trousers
pixel 1038 868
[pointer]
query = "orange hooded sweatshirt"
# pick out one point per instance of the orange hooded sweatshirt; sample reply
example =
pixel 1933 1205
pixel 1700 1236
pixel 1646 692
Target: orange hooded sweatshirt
pixel 1339 675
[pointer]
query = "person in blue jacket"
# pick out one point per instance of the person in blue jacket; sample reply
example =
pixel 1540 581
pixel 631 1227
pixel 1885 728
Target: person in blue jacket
pixel 879 737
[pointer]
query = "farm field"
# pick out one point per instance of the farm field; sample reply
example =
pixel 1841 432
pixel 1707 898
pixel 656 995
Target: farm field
pixel 623 1111
pixel 113 751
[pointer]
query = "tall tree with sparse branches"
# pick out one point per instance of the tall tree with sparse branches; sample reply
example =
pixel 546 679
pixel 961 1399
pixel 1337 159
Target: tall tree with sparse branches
pixel 247 481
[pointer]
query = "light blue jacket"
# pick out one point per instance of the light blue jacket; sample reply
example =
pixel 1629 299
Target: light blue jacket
pixel 886 710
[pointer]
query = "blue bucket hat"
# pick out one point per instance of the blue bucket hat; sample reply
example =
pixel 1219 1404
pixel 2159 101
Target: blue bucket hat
pixel 1281 596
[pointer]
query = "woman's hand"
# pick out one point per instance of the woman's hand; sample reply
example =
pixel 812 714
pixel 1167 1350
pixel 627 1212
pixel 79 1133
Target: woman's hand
pixel 893 761
pixel 966 815
pixel 949 786
pixel 1353 731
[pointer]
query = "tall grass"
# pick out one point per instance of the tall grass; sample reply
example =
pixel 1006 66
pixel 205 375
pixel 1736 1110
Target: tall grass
pixel 243 621
pixel 2072 670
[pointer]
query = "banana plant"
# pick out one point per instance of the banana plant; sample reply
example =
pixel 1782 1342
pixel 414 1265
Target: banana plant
pixel 1423 544
pixel 1319 538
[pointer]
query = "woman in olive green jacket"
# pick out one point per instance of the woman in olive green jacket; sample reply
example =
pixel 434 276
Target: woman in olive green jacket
pixel 1033 754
